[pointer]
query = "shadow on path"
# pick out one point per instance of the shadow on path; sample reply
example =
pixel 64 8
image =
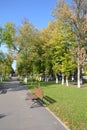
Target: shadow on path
pixel 12 85
pixel 4 91
pixel 37 103
pixel 2 116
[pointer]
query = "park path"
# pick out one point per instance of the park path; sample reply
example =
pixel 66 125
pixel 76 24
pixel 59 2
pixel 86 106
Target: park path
pixel 16 112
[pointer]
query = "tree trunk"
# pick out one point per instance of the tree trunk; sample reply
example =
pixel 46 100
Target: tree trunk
pixel 78 78
pixel 62 78
pixel 67 83
pixel 57 81
pixel 1 78
pixel 25 79
pixel 40 78
pixel 46 78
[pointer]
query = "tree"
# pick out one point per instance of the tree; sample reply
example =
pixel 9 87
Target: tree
pixel 7 65
pixel 0 35
pixel 45 37
pixel 61 52
pixel 2 56
pixel 26 40
pixel 63 40
pixel 8 34
pixel 76 18
pixel 78 21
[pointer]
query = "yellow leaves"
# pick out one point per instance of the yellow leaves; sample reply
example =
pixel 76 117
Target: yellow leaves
pixel 65 11
pixel 72 16
pixel 46 32
pixel 9 33
pixel 50 24
pixel 57 37
pixel 61 10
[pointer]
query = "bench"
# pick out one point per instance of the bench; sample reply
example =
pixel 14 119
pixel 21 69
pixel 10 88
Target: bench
pixel 37 94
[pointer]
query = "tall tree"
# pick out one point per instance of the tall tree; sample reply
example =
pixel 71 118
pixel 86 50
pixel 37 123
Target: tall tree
pixel 2 56
pixel 46 34
pixel 77 19
pixel 7 65
pixel 61 45
pixel 0 35
pixel 8 34
pixel 25 40
pixel 79 27
pixel 63 40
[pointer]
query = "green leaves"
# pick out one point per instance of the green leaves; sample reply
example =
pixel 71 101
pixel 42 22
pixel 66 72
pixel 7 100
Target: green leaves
pixel 9 34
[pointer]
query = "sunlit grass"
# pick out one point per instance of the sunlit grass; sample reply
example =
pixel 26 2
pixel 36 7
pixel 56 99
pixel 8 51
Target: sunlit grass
pixel 70 105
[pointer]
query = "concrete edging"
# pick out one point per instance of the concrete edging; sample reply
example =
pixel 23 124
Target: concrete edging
pixel 57 118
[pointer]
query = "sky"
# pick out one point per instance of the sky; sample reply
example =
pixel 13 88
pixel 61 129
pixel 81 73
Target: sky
pixel 38 12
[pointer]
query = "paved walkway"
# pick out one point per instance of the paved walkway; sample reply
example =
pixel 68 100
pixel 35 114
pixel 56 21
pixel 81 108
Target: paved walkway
pixel 16 112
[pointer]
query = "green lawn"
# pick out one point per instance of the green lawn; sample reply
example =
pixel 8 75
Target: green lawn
pixel 68 103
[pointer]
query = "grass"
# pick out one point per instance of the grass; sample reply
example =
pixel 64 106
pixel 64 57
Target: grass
pixel 70 104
